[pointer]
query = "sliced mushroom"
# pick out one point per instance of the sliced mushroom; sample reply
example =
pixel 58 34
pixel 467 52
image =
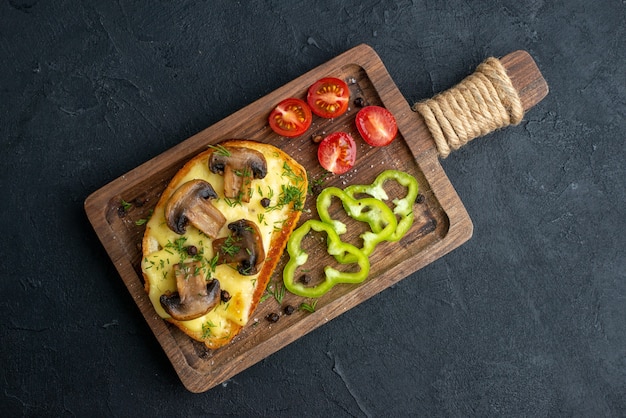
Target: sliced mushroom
pixel 239 166
pixel 190 203
pixel 243 246
pixel 195 297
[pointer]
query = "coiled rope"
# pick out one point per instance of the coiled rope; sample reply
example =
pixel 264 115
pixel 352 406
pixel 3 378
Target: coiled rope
pixel 483 102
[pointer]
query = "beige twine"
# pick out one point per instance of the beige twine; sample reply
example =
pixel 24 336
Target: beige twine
pixel 481 103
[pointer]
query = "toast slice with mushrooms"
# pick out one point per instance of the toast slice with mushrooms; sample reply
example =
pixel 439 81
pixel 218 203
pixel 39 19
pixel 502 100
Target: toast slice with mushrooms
pixel 217 234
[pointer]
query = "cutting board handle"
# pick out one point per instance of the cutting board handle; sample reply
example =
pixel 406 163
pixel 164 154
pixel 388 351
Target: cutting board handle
pixel 496 95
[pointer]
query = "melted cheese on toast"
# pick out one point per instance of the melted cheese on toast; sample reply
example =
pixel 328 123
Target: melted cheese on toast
pixel 285 184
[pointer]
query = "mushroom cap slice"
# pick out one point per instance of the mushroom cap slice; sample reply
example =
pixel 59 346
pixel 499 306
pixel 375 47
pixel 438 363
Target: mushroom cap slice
pixel 190 203
pixel 195 297
pixel 244 247
pixel 239 166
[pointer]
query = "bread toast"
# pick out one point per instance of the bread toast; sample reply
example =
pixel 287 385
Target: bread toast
pixel 273 203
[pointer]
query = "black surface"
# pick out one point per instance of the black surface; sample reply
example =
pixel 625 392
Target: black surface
pixel 526 319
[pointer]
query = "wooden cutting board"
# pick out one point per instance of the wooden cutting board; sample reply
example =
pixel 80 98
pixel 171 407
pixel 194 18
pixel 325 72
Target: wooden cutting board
pixel 441 222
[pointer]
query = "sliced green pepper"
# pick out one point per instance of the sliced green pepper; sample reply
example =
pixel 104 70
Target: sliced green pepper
pixel 332 276
pixel 374 212
pixel 403 207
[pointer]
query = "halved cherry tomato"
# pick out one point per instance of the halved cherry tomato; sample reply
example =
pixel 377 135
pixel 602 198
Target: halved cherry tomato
pixel 291 117
pixel 337 152
pixel 329 97
pixel 376 125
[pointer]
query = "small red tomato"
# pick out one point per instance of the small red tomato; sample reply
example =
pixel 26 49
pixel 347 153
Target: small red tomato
pixel 376 125
pixel 291 117
pixel 329 97
pixel 337 152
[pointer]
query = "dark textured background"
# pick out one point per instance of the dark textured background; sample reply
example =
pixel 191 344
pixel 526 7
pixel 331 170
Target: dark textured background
pixel 526 319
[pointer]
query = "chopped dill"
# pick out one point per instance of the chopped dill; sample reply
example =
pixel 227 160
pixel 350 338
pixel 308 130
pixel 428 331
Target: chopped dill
pixel 230 246
pixel 206 329
pixel 308 307
pixel 125 205
pixel 279 293
pixel 143 221
pixel 234 202
pixel 220 150
pixel 289 194
pixel 289 173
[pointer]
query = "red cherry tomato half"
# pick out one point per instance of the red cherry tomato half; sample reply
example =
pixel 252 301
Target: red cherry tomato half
pixel 291 117
pixel 337 152
pixel 329 97
pixel 376 125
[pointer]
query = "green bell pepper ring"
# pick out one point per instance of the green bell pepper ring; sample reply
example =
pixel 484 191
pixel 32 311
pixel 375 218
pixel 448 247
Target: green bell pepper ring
pixel 374 212
pixel 403 208
pixel 332 276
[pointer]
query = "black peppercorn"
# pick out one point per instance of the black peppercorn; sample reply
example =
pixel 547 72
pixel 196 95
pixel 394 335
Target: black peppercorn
pixel 225 296
pixel 265 202
pixel 420 198
pixel 289 309
pixel 192 250
pixel 316 189
pixel 305 279
pixel 359 102
pixel 272 317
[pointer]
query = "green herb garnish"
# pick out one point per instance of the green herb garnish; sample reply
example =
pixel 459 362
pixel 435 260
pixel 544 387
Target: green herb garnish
pixel 125 205
pixel 279 293
pixel 143 221
pixel 308 307
pixel 289 194
pixel 220 150
pixel 206 329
